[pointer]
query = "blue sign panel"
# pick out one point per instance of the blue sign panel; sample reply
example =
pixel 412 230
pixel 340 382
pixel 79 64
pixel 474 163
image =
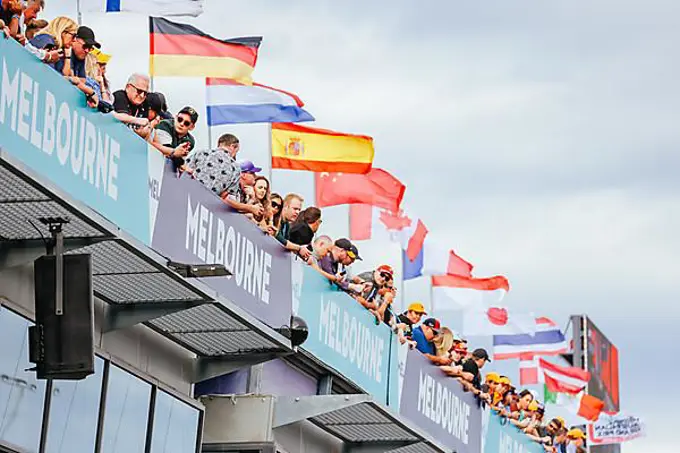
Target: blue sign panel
pixel 344 335
pixel 45 124
pixel 502 437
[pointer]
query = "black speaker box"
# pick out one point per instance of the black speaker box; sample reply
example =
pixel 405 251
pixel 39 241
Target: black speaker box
pixel 62 346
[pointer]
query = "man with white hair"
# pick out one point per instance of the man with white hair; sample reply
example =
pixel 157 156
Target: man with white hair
pixel 130 104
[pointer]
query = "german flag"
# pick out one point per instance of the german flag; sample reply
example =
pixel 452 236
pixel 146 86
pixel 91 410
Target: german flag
pixel 181 50
pixel 296 147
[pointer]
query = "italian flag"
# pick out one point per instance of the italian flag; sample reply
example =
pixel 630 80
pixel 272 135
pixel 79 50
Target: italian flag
pixel 585 406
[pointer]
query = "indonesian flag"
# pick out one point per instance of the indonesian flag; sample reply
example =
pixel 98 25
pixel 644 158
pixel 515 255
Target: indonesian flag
pixel 564 379
pixel 457 292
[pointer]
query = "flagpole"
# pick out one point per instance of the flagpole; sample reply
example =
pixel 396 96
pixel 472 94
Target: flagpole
pixel 271 157
pixel 79 13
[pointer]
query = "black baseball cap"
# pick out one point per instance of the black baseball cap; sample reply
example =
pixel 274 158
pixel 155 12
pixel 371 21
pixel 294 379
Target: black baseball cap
pixel 193 114
pixel 350 248
pixel 433 324
pixel 481 354
pixel 87 35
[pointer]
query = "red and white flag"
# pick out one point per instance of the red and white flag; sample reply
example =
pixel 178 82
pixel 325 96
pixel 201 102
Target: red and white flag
pixel 457 292
pixel 528 370
pixel 564 379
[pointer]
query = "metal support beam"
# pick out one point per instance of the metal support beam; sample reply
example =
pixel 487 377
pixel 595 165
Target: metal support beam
pixel 209 367
pixel 16 253
pixel 128 315
pixel 254 383
pixel 291 409
pixel 325 386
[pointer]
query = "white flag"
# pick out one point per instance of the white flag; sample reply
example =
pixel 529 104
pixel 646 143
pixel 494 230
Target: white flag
pixel 148 7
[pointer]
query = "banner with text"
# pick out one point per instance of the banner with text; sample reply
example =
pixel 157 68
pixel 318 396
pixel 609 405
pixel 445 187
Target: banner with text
pixel 343 334
pixel 194 226
pixel 499 436
pixel 46 125
pixel 615 429
pixel 438 405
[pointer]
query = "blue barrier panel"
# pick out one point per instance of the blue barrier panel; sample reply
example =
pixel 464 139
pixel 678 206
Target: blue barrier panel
pixel 438 405
pixel 193 225
pixel 502 437
pixel 344 335
pixel 45 124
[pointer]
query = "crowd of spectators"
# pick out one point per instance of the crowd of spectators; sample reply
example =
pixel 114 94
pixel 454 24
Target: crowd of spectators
pixel 74 52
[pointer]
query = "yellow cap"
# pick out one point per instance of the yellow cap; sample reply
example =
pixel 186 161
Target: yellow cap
pixel 504 380
pixel 533 406
pixel 492 377
pixel 562 421
pixel 417 307
pixel 576 433
pixel 102 58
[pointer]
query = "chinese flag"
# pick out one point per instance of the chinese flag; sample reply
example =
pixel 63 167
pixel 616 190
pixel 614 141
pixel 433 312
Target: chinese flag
pixel 375 188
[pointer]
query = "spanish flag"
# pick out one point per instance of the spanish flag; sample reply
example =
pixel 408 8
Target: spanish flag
pixel 296 147
pixel 181 50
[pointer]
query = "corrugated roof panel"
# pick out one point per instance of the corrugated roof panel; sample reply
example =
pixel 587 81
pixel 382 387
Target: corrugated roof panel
pixel 204 318
pixel 225 343
pixel 136 288
pixel 110 257
pixel 420 447
pixel 15 221
pixel 372 433
pixel 361 413
pixel 14 188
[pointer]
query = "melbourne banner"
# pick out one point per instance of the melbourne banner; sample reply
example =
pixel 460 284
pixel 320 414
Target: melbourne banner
pixel 438 405
pixel 499 436
pixel 46 125
pixel 343 334
pixel 194 226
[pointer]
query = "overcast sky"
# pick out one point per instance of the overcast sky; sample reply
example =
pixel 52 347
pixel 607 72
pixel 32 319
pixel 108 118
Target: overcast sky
pixel 538 138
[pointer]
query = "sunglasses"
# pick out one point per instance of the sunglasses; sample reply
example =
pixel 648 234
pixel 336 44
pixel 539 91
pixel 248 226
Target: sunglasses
pixel 185 122
pixel 386 276
pixel 276 205
pixel 140 92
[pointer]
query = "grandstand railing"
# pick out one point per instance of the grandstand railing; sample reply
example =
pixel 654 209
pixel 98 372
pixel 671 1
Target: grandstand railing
pixel 46 125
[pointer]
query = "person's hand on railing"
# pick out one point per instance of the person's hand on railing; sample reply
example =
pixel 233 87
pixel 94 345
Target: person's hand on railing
pixel 53 56
pixel 6 32
pixel 181 151
pixel 304 252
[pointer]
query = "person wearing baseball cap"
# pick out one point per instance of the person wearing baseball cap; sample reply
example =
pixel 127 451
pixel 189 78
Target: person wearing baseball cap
pixel 473 365
pixel 576 440
pixel 173 137
pixel 424 335
pixel 342 253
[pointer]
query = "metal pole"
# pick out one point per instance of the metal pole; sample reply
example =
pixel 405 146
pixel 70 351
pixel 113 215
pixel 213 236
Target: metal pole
pixel 46 416
pixel 58 236
pixel 80 13
pixel 269 141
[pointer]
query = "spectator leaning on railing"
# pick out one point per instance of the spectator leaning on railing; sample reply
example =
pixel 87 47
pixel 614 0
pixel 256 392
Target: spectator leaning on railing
pixel 130 104
pixel 173 137
pixel 52 43
pixel 292 205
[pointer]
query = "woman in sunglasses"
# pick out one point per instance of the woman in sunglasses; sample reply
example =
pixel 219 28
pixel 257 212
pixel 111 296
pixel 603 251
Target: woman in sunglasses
pixel 276 209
